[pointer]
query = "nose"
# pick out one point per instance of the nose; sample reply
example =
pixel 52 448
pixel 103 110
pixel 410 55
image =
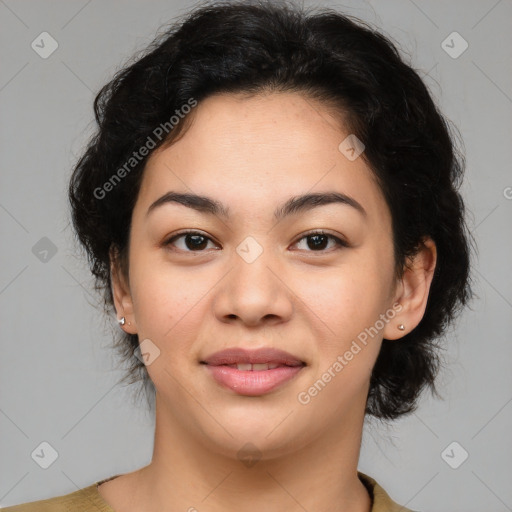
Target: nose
pixel 254 293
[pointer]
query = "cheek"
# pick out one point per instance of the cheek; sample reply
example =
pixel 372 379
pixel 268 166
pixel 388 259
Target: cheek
pixel 342 317
pixel 169 314
pixel 333 302
pixel 344 308
pixel 166 298
pixel 346 299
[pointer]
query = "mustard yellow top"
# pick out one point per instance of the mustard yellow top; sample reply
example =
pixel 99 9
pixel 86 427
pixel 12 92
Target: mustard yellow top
pixel 89 499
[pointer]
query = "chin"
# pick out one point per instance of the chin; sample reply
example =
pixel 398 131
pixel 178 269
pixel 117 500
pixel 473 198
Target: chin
pixel 250 445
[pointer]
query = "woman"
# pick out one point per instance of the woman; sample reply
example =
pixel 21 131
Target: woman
pixel 270 206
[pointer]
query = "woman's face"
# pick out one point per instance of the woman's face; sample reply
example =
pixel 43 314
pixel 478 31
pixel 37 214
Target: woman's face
pixel 249 279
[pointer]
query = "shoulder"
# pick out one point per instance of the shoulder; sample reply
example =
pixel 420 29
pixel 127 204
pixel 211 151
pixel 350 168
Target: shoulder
pixel 381 501
pixel 87 499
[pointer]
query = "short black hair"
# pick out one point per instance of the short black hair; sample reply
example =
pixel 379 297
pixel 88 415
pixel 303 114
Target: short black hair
pixel 262 46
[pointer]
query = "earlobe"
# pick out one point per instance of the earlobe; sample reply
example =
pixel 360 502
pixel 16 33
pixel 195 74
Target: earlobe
pixel 121 294
pixel 413 291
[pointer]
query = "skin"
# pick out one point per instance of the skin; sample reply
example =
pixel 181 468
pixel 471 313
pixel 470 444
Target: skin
pixel 252 155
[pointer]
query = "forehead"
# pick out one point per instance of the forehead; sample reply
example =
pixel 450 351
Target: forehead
pixel 260 150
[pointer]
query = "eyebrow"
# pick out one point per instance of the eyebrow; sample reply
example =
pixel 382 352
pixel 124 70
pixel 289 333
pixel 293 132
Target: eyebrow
pixel 294 205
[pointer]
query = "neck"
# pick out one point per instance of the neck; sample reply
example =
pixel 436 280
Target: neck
pixel 187 473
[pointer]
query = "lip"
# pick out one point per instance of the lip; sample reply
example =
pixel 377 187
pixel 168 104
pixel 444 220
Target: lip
pixel 254 382
pixel 237 355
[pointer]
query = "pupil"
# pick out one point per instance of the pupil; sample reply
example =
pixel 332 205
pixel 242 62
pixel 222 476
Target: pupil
pixel 197 244
pixel 317 245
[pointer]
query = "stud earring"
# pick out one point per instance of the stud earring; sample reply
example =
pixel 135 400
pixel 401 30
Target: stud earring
pixel 122 321
pixel 401 327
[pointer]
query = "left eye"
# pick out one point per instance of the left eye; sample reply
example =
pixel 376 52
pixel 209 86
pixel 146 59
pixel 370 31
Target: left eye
pixel 197 242
pixel 318 241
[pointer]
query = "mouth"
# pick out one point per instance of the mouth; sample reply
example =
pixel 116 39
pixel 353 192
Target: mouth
pixel 252 372
pixel 256 367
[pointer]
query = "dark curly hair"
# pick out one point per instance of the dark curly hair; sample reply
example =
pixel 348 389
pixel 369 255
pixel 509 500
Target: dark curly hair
pixel 257 46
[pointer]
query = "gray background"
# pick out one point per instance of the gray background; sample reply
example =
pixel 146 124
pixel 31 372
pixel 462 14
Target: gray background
pixel 58 376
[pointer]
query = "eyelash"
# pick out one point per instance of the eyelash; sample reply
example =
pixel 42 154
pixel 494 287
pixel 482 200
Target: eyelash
pixel 339 242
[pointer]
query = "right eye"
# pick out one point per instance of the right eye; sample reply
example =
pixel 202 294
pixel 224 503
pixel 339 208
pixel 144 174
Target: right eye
pixel 193 241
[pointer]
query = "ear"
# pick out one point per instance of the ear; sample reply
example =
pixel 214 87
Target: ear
pixel 412 290
pixel 121 293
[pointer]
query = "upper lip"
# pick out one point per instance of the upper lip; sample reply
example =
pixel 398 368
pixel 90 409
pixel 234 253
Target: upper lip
pixel 235 355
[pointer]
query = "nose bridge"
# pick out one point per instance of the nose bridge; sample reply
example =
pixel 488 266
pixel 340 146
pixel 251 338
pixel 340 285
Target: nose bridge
pixel 253 289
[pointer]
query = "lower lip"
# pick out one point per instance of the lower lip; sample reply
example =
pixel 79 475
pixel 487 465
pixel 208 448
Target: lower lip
pixel 251 382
